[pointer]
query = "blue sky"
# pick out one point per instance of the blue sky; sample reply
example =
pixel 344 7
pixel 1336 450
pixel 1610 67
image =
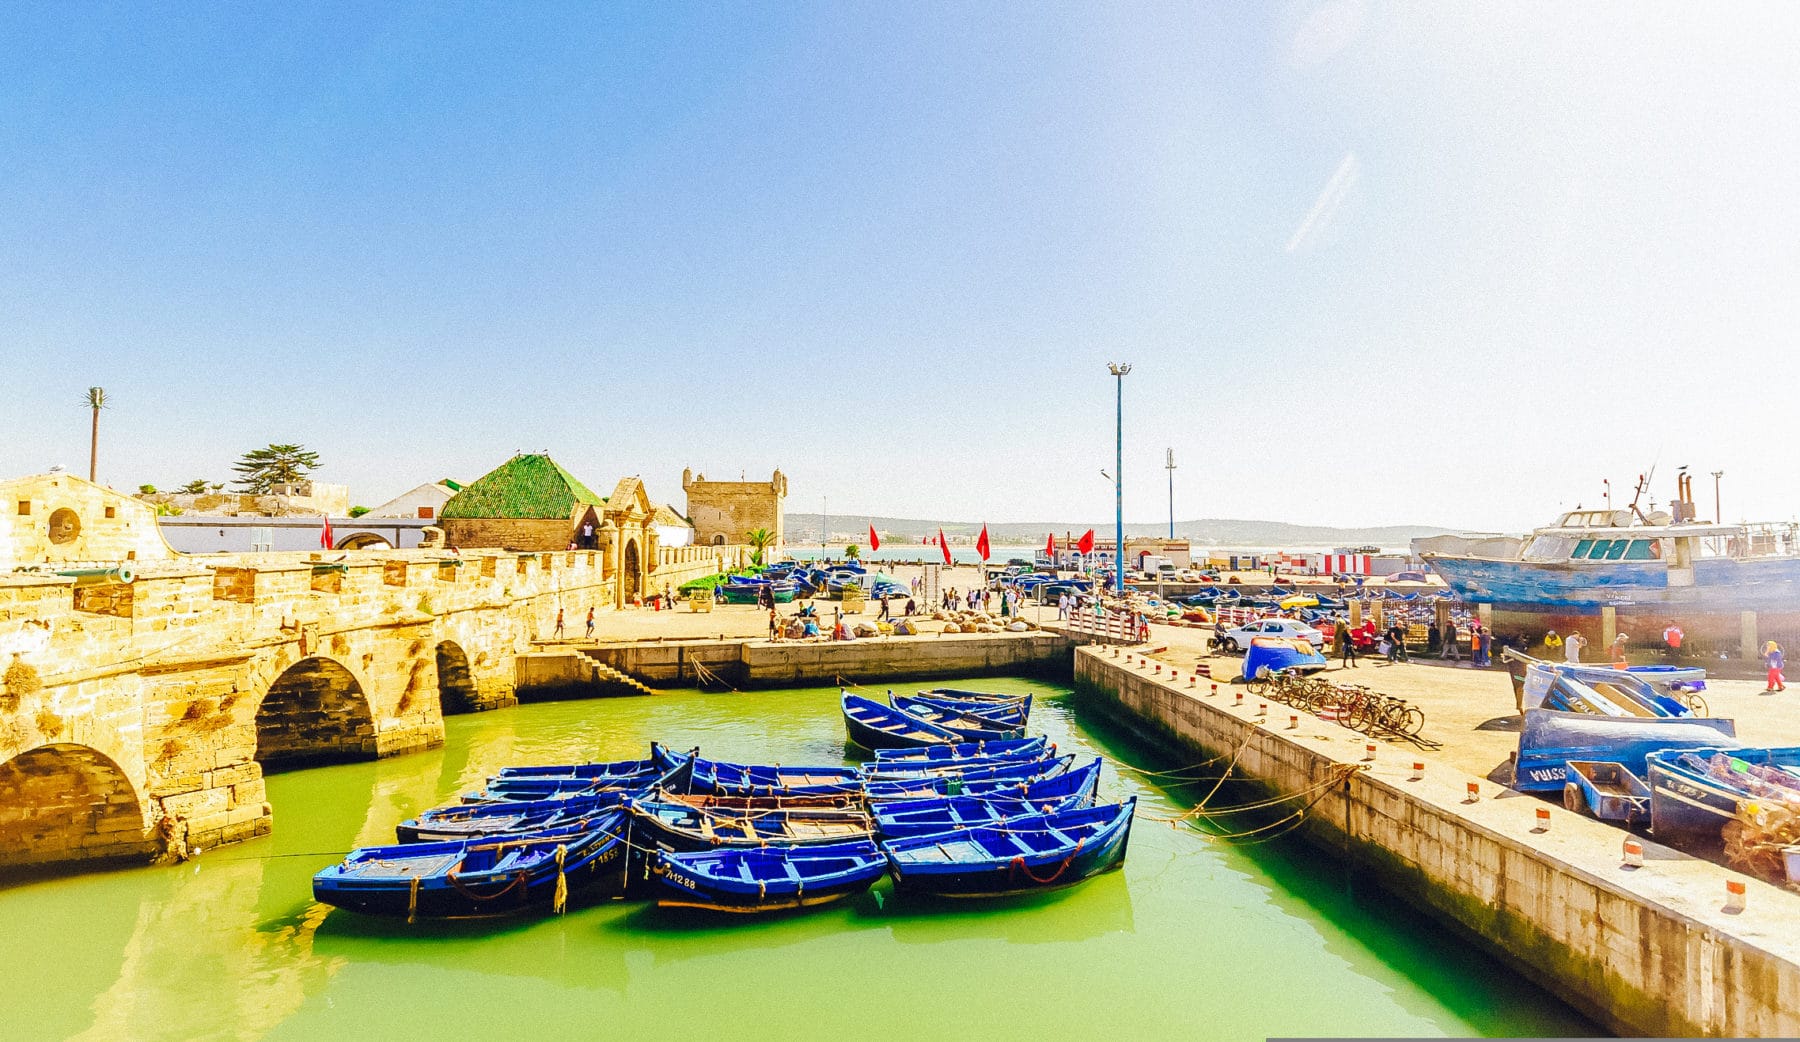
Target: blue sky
pixel 1372 262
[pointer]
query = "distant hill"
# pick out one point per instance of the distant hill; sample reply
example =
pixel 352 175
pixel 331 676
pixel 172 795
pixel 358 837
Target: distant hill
pixel 1227 532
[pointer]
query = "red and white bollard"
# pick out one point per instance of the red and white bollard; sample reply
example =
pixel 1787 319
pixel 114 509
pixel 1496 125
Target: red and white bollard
pixel 1192 681
pixel 1240 698
pixel 1735 895
pixel 1262 709
pixel 1369 752
pixel 1418 770
pixel 1474 792
pixel 1214 693
pixel 1543 820
pixel 1634 854
pixel 1293 722
pixel 1159 667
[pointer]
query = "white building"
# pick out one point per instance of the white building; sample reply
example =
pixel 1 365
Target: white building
pixel 426 501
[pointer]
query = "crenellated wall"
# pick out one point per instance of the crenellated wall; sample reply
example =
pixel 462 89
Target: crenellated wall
pixel 138 717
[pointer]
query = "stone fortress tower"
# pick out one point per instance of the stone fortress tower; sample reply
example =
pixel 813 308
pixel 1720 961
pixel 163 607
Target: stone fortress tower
pixel 722 511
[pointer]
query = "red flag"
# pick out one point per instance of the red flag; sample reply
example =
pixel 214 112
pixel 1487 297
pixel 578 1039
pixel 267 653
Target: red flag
pixel 874 540
pixel 1050 547
pixel 944 546
pixel 1086 545
pixel 325 534
pixel 981 544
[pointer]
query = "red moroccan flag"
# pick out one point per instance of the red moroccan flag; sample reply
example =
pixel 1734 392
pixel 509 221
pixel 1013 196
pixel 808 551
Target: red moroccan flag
pixel 981 545
pixel 1050 547
pixel 1086 545
pixel 874 540
pixel 944 545
pixel 325 534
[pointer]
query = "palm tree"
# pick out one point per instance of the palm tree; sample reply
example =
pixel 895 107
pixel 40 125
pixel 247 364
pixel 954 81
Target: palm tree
pixel 96 400
pixel 760 539
pixel 852 551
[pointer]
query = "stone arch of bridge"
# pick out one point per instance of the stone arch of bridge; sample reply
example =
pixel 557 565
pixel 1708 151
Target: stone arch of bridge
pixel 364 541
pixel 456 686
pixel 314 712
pixel 63 802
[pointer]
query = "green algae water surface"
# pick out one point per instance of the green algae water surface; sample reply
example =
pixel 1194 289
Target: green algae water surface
pixel 1193 939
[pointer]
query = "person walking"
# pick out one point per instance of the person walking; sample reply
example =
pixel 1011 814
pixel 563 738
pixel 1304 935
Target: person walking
pixel 1773 660
pixel 1618 651
pixel 559 623
pixel 774 623
pixel 1342 643
pixel 1451 651
pixel 1572 645
pixel 590 622
pixel 1434 638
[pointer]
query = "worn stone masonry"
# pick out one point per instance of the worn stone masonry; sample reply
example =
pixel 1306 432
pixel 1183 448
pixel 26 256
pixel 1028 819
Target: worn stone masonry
pixel 137 718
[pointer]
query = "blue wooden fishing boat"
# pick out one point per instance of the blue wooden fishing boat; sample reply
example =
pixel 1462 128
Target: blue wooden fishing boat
pixel 479 877
pixel 1600 714
pixel 660 756
pixel 1695 791
pixel 477 820
pixel 1082 783
pixel 1001 714
pixel 1024 856
pixel 969 780
pixel 678 826
pixel 901 770
pixel 928 817
pixel 966 726
pixel 742 779
pixel 875 726
pixel 1550 739
pixel 1020 748
pixel 668 770
pixel 985 697
pixel 766 879
pixel 1607 791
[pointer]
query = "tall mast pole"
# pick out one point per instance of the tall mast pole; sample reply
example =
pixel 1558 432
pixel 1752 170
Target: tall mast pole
pixel 1170 465
pixel 1118 370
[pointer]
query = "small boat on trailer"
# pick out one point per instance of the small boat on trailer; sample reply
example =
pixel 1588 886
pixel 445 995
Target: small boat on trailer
pixel 1033 854
pixel 1608 791
pixel 766 879
pixel 875 726
pixel 464 821
pixel 677 826
pixel 741 779
pixel 995 714
pixel 480 877
pixel 1016 748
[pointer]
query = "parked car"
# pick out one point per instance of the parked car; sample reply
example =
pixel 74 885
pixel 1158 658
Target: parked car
pixel 1238 639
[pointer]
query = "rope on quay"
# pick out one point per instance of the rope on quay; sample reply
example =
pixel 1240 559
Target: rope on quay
pixel 705 675
pixel 1285 824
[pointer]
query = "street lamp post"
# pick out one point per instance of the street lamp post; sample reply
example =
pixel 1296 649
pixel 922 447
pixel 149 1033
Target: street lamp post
pixel 1170 467
pixel 1718 515
pixel 1118 370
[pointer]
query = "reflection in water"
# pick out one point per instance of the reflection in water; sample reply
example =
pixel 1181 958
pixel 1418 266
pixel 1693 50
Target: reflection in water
pixel 232 946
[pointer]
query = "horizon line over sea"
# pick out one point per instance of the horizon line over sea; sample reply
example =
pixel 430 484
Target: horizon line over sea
pixel 1000 553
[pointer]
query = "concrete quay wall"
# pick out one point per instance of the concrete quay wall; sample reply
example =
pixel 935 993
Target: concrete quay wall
pixel 762 663
pixel 1648 951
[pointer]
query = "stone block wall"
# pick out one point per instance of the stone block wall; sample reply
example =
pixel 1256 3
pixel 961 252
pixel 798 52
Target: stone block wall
pixel 722 511
pixel 60 518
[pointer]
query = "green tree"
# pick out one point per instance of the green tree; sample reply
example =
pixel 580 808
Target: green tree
pixel 760 539
pixel 96 400
pixel 852 551
pixel 358 511
pixel 195 487
pixel 261 469
pixel 146 490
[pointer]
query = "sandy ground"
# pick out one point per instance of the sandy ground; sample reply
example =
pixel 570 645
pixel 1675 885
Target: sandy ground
pixel 1472 710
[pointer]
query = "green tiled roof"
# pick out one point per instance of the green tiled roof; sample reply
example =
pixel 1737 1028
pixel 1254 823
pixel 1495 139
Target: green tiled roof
pixel 528 486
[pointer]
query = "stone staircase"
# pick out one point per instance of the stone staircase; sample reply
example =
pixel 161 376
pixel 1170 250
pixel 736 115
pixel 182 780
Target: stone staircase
pixel 608 674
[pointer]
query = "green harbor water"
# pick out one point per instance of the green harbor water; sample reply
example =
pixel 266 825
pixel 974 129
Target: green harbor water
pixel 1193 939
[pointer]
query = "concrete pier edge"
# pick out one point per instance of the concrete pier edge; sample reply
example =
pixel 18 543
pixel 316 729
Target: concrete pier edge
pixel 1645 952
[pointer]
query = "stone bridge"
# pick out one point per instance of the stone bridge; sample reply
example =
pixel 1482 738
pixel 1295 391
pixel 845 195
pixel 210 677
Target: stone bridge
pixel 140 715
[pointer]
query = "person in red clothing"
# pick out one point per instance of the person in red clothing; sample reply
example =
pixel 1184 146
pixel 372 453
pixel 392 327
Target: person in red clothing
pixel 1772 659
pixel 1672 638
